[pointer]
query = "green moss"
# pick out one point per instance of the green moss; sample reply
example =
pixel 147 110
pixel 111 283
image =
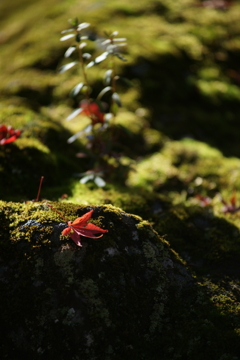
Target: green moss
pixel 149 175
pixel 187 167
pixel 190 149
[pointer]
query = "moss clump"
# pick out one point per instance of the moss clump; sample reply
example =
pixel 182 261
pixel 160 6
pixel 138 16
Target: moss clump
pixel 205 240
pixel 187 165
pixel 152 172
pixel 142 203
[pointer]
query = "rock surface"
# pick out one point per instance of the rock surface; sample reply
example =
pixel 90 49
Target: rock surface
pixel 118 297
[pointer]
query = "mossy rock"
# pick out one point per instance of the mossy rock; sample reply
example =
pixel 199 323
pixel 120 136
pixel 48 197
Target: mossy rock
pixel 203 235
pixel 41 150
pixel 209 242
pixel 124 296
pixel 186 165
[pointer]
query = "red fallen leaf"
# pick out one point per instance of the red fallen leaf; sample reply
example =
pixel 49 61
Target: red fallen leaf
pixel 93 111
pixel 81 227
pixel 215 4
pixel 8 134
pixel 231 208
pixel 204 200
pixel 233 199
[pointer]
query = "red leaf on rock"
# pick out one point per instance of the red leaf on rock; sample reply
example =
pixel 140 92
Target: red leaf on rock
pixel 232 206
pixel 8 134
pixel 81 227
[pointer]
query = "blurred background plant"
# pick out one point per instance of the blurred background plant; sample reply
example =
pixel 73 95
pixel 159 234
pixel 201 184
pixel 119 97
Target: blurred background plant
pixel 101 110
pixel 183 62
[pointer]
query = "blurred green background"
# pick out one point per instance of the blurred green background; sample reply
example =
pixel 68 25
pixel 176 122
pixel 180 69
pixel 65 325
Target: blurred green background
pixel 183 63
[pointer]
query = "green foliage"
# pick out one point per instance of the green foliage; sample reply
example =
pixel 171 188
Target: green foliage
pixel 102 109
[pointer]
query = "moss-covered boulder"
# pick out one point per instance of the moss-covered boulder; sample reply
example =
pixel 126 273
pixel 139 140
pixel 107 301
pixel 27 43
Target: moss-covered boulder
pixel 41 150
pixel 124 296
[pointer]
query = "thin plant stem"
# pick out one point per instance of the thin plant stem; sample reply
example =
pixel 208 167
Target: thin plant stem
pixel 57 212
pixel 39 188
pixel 113 82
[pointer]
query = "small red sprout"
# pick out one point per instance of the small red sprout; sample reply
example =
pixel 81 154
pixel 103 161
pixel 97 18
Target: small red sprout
pixel 230 208
pixel 38 194
pixel 39 189
pixel 81 227
pixel 8 134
